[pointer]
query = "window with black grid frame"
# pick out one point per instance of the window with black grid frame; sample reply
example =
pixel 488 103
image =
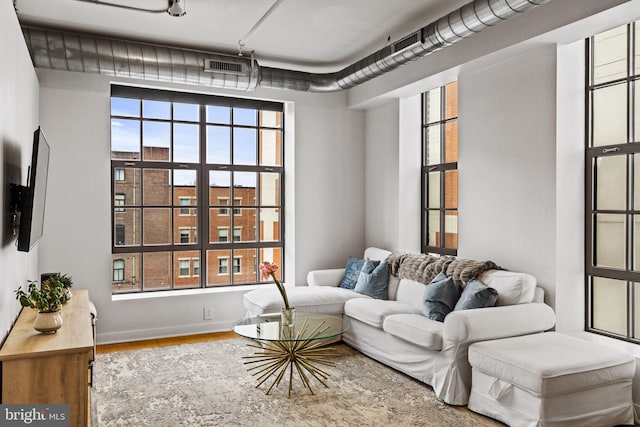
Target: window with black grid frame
pixel 186 169
pixel 439 222
pixel 612 214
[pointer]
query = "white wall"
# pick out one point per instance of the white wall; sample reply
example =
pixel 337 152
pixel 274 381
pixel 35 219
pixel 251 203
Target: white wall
pixel 409 184
pixel 381 176
pixel 324 184
pixel 507 164
pixel 18 120
pixel 392 174
pixel 570 175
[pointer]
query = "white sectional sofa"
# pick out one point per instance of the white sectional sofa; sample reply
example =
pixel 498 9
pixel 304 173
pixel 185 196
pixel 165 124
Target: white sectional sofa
pixel 397 333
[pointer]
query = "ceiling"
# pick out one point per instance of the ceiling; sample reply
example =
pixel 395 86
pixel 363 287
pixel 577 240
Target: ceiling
pixel 308 35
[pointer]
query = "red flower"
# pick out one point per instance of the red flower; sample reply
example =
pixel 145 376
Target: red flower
pixel 268 269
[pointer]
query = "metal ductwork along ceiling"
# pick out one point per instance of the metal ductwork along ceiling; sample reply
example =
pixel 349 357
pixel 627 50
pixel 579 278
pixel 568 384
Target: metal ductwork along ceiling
pixel 71 51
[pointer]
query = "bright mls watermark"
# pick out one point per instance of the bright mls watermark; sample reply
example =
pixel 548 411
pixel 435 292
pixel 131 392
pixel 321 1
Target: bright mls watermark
pixel 34 415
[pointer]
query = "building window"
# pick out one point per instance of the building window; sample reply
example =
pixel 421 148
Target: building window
pixel 184 267
pixel 189 159
pixel 196 267
pixel 118 174
pixel 119 235
pixel 223 265
pixel 237 234
pixel 118 270
pixel 236 265
pixel 185 201
pixel 612 253
pixel 185 235
pixel 440 170
pixel 119 201
pixel 223 202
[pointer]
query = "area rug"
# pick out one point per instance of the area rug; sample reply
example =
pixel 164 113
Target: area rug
pixel 206 384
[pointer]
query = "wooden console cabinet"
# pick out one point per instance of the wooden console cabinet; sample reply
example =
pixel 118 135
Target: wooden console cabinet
pixel 53 368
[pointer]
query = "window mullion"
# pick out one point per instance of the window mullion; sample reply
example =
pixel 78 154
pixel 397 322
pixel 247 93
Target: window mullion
pixel 630 82
pixel 202 177
pixel 443 155
pixel 142 213
pixel 630 310
pixel 172 225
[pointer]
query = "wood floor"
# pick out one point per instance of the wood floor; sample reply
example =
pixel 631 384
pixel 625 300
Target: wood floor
pixel 161 342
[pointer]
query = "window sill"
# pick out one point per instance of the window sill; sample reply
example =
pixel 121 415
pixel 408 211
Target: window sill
pixel 182 292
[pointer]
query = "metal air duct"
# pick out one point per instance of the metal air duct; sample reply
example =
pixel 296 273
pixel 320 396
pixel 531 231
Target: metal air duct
pixel 70 51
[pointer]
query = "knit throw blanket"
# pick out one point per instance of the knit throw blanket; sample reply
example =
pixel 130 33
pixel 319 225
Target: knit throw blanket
pixel 423 268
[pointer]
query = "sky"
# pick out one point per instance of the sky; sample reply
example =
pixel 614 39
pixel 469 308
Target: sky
pixel 125 135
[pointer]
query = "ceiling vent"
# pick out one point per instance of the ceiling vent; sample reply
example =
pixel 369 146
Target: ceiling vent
pixel 407 41
pixel 216 65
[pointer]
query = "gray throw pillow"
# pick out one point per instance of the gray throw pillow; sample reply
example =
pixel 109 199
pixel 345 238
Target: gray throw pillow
pixel 440 297
pixel 476 295
pixel 374 284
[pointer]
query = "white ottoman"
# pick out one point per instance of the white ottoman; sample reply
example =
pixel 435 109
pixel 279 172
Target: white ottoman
pixel 551 379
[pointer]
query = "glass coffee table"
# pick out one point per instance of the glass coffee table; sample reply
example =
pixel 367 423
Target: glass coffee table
pixel 300 346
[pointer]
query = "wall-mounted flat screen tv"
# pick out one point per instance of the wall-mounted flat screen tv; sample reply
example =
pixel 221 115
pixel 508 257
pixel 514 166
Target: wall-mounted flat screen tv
pixel 33 196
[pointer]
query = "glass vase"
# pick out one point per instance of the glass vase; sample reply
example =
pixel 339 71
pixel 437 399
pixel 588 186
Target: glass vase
pixel 288 316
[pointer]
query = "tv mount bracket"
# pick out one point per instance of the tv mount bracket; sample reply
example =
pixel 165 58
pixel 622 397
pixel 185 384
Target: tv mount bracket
pixel 16 193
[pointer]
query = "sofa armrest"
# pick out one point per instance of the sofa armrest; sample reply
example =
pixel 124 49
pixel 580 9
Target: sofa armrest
pixel 481 324
pixel 330 277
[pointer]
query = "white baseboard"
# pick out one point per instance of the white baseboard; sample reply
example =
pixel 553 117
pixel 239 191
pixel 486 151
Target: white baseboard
pixel 162 332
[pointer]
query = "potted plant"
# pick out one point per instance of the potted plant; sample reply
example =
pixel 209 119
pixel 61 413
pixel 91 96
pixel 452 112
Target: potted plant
pixel 48 300
pixel 57 279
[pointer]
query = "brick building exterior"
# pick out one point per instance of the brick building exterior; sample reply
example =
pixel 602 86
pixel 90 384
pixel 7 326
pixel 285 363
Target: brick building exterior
pixel 166 221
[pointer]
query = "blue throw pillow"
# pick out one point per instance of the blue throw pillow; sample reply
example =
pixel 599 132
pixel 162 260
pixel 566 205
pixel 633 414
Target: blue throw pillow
pixel 353 269
pixel 440 297
pixel 374 284
pixel 476 295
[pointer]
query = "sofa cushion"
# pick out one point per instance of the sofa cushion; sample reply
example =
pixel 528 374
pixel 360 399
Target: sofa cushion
pixel 416 329
pixel 374 284
pixel 309 299
pixel 512 287
pixel 373 311
pixel 440 296
pixel 476 295
pixel 410 292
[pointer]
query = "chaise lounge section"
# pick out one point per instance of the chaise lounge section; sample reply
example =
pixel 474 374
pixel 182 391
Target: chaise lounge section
pixel 396 332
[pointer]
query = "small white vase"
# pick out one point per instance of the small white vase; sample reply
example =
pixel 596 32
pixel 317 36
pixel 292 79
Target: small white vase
pixel 288 316
pixel 48 323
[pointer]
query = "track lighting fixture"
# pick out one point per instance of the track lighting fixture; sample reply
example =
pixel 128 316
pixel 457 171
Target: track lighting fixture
pixel 176 8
